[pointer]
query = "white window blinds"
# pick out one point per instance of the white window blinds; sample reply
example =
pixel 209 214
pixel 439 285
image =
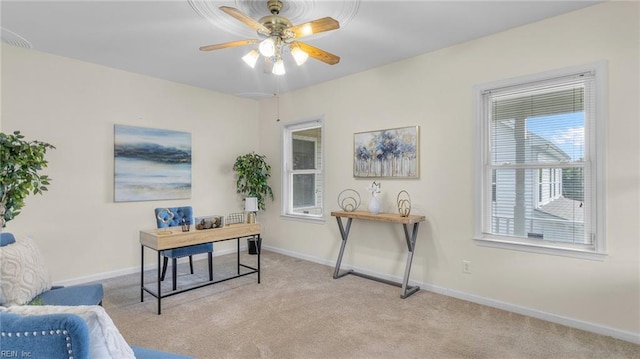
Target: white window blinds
pixel 537 166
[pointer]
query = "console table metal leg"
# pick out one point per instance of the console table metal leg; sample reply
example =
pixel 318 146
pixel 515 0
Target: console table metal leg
pixel 406 289
pixel 411 245
pixel 344 233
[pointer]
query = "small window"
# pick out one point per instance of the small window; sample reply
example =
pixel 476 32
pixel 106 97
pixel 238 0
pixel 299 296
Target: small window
pixel 302 170
pixel 538 158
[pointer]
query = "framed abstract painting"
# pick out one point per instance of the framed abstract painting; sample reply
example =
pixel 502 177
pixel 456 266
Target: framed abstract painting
pixel 151 164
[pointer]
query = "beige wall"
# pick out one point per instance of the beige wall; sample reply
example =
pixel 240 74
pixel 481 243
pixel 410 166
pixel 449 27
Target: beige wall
pixel 74 106
pixel 434 91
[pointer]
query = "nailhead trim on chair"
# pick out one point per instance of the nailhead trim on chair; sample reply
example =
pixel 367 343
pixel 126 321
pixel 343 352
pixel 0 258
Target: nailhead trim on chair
pixel 43 333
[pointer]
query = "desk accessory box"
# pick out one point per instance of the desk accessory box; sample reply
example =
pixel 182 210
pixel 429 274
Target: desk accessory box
pixel 236 217
pixel 209 222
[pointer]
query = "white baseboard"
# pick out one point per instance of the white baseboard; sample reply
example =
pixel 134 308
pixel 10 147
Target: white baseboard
pixel 550 317
pixel 131 270
pixel 534 313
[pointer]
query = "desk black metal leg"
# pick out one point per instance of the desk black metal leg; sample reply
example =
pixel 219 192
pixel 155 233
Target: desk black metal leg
pixel 238 255
pixel 344 233
pixel 159 284
pixel 174 273
pixel 258 245
pixel 411 245
pixel 141 273
pixel 210 259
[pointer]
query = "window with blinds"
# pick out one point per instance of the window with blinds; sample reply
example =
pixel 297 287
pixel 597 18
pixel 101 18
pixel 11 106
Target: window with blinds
pixel 303 179
pixel 538 162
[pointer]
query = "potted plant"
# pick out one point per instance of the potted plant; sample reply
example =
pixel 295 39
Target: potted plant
pixel 20 163
pixel 252 175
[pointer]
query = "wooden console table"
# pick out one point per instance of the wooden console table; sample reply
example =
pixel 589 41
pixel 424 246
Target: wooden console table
pixel 380 217
pixel 173 237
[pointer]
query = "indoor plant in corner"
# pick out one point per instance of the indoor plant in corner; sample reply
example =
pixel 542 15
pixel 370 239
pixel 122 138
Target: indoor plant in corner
pixel 252 175
pixel 20 162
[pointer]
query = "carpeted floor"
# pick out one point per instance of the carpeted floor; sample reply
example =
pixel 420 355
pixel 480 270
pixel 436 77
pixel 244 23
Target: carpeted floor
pixel 300 311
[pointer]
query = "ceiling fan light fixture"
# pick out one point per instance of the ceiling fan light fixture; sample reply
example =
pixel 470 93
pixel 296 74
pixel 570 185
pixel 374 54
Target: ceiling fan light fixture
pixel 299 55
pixel 278 68
pixel 307 30
pixel 267 47
pixel 275 34
pixel 251 58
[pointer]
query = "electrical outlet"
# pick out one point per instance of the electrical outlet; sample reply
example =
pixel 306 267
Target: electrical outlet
pixel 466 267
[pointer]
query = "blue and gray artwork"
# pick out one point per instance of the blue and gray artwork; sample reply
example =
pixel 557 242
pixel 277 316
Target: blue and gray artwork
pixel 386 153
pixel 151 164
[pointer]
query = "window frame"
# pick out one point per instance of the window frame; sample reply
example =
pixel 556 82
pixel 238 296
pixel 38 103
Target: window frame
pixel 288 130
pixel 595 135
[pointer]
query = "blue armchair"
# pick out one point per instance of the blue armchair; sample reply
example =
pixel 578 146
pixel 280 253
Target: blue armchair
pixel 58 326
pixel 29 277
pixel 173 217
pixel 56 336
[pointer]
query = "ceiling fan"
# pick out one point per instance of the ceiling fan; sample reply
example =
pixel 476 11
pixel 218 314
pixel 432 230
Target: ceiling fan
pixel 276 33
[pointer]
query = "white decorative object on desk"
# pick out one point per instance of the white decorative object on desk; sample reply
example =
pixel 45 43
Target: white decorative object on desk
pixel 374 205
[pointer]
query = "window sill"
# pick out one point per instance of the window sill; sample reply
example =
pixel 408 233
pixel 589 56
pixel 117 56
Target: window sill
pixel 542 249
pixel 303 218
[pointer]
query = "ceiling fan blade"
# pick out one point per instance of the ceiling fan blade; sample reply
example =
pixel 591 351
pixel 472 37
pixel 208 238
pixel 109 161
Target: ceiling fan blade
pixel 314 27
pixel 229 44
pixel 245 19
pixel 318 54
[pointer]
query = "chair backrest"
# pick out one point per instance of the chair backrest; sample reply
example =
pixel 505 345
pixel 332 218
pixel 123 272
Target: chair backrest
pixel 173 216
pixel 64 331
pixel 6 238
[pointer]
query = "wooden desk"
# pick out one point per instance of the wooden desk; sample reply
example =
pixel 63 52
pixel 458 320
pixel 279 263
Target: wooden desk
pixel 173 237
pixel 380 217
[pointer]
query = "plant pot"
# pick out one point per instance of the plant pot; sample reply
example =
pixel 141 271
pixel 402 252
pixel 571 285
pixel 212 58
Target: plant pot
pixel 254 245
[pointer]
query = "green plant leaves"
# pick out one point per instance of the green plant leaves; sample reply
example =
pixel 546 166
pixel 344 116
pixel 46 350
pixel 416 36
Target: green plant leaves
pixel 252 175
pixel 20 161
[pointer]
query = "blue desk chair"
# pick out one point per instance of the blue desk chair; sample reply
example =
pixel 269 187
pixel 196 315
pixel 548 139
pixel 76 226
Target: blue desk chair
pixel 173 217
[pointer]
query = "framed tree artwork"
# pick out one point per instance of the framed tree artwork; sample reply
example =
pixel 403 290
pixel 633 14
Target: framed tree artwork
pixel 392 153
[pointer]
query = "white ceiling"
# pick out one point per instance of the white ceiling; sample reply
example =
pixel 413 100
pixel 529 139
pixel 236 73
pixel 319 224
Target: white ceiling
pixel 161 38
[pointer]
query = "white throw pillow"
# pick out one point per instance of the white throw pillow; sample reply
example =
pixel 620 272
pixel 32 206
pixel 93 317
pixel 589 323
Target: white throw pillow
pixel 105 339
pixel 2 298
pixel 23 272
